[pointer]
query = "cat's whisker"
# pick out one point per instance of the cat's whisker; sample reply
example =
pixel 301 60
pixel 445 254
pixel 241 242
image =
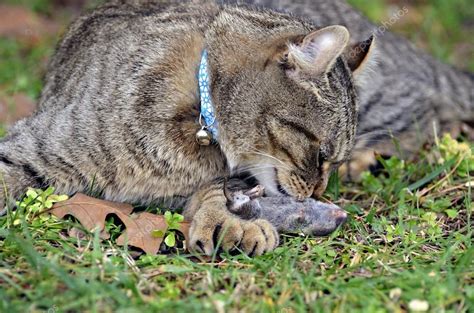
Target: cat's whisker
pixel 255 175
pixel 253 167
pixel 369 144
pixel 259 170
pixel 273 167
pixel 362 149
pixel 372 133
pixel 284 165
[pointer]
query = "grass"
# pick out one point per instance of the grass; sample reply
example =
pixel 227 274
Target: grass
pixel 22 66
pixel 442 27
pixel 409 236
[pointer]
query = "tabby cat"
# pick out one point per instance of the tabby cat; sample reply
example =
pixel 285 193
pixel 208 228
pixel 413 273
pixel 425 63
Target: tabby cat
pixel 407 94
pixel 120 110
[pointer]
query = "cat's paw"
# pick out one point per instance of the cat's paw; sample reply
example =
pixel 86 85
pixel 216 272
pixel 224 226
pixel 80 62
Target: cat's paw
pixel 229 232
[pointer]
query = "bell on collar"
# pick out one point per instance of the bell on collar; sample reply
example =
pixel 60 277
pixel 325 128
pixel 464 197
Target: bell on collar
pixel 204 137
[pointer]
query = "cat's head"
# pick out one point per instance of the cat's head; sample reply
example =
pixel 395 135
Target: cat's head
pixel 288 114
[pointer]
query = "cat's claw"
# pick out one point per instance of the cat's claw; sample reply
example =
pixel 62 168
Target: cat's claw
pixel 259 237
pixel 252 237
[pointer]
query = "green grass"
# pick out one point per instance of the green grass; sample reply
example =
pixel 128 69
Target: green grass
pixel 442 27
pixel 22 67
pixel 40 6
pixel 409 235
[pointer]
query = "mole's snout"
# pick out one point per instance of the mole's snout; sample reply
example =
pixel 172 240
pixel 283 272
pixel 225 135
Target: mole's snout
pixel 340 217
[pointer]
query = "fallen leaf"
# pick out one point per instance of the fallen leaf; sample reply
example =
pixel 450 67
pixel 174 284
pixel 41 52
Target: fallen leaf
pixel 139 232
pixel 139 228
pixel 91 212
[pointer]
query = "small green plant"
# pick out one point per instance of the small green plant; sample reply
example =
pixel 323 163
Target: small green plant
pixel 35 202
pixel 172 221
pixel 450 148
pixel 114 229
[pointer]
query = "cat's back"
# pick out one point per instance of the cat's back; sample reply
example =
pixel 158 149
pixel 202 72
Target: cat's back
pixel 115 42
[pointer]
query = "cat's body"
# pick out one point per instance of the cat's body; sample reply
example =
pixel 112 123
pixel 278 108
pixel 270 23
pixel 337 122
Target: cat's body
pixel 120 110
pixel 73 146
pixel 407 93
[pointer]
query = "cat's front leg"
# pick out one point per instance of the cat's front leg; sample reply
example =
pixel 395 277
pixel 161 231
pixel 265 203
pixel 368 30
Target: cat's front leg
pixel 213 224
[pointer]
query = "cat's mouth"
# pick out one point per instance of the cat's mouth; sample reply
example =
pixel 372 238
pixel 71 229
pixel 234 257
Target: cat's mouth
pixel 281 189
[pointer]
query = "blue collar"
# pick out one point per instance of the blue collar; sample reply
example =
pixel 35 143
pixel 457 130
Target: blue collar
pixel 207 108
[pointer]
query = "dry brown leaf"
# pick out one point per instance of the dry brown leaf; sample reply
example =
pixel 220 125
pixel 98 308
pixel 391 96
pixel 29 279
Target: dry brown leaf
pixel 139 234
pixel 92 213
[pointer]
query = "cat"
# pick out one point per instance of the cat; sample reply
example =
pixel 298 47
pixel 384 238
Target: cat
pixel 408 93
pixel 121 108
pixel 286 214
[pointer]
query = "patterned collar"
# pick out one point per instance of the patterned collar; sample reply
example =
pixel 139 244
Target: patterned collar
pixel 207 108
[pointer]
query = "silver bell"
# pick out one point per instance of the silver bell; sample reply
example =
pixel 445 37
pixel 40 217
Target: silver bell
pixel 203 137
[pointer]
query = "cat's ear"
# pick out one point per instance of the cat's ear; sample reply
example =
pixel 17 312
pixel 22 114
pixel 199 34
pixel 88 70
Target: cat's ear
pixel 360 56
pixel 318 51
